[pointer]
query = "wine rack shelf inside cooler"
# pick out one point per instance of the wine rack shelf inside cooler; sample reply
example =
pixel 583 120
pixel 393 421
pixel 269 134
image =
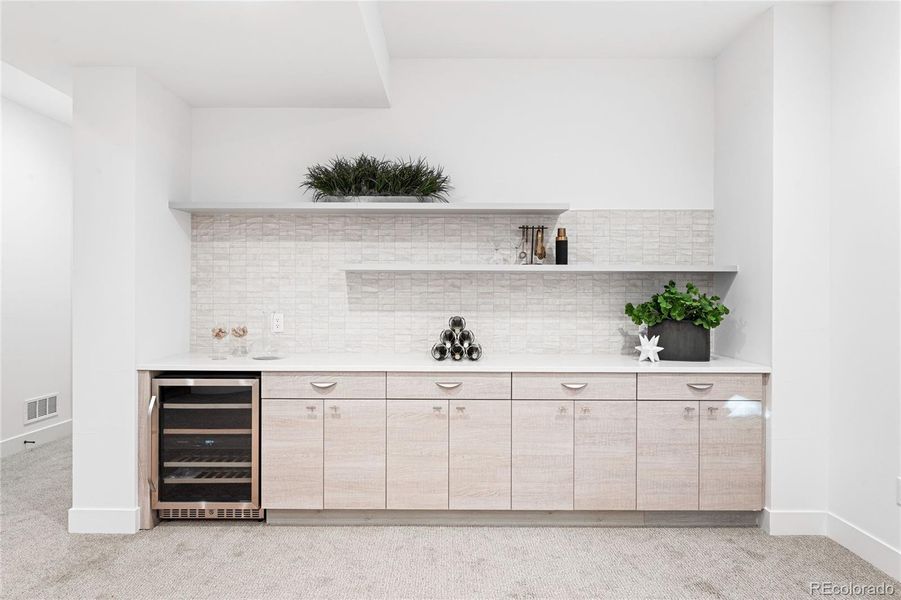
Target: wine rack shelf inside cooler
pixel 184 475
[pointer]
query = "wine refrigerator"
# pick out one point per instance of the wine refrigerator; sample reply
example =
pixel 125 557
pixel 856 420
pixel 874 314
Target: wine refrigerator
pixel 205 446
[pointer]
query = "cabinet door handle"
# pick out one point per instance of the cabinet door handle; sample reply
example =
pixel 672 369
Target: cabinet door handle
pixel 711 410
pixel 585 410
pixel 562 410
pixel 311 408
pixel 461 409
pixel 700 386
pixel 150 405
pixel 574 386
pixel 334 409
pixel 323 385
pixel 689 410
pixel 151 484
pixel 448 385
pixel 437 409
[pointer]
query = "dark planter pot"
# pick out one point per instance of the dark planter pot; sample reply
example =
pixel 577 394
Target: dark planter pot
pixel 682 340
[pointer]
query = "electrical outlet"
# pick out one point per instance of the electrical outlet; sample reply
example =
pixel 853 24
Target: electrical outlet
pixel 277 322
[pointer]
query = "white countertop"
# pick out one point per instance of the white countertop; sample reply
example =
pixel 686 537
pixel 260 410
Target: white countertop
pixel 524 363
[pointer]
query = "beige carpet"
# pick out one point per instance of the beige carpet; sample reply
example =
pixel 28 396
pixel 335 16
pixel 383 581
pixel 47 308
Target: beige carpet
pixel 189 560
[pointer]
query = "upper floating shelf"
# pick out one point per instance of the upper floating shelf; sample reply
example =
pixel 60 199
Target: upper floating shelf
pixel 370 208
pixel 535 269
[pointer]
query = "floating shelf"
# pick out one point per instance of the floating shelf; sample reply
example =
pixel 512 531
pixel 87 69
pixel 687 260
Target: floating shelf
pixel 534 269
pixel 370 208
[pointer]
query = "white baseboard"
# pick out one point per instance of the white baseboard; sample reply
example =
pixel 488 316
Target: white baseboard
pixel 864 545
pixel 104 520
pixel 793 522
pixel 42 435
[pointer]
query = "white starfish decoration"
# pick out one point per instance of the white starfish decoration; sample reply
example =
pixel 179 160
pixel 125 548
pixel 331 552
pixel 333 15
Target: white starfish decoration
pixel 649 348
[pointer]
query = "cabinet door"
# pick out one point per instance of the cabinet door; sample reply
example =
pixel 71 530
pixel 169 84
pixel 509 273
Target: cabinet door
pixel 354 454
pixel 291 454
pixel 667 455
pixel 604 455
pixel 731 455
pixel 479 455
pixel 417 454
pixel 542 454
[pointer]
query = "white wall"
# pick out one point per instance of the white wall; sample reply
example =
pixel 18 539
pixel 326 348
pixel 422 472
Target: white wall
pixel 744 190
pixel 130 149
pixel 163 237
pixel 596 133
pixel 36 270
pixel 801 221
pixel 865 445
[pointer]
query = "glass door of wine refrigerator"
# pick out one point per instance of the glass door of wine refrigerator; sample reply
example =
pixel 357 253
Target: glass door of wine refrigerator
pixel 205 443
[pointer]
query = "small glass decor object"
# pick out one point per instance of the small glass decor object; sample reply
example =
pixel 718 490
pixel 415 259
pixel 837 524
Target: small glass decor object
pixel 219 334
pixel 239 341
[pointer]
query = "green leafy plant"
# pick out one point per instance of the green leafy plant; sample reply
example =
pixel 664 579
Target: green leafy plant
pixel 690 305
pixel 370 176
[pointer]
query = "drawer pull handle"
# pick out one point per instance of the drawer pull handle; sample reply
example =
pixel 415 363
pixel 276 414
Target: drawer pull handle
pixel 323 385
pixel 574 386
pixel 448 385
pixel 700 386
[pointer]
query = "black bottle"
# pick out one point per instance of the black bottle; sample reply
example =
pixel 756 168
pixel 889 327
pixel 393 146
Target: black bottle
pixel 561 249
pixel 465 338
pixel 448 338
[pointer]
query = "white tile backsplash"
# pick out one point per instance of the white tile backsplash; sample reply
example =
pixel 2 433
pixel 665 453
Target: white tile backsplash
pixel 243 265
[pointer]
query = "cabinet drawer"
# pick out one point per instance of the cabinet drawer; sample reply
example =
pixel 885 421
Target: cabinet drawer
pixel 308 384
pixel 700 386
pixel 464 386
pixel 568 386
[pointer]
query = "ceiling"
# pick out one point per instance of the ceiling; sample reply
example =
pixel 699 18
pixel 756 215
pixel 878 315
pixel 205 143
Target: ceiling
pixel 336 54
pixel 447 29
pixel 209 53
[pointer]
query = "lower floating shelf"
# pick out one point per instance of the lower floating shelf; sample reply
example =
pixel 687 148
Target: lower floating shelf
pixel 533 269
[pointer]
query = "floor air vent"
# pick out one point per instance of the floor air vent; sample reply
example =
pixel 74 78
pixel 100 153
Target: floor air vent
pixel 212 513
pixel 43 407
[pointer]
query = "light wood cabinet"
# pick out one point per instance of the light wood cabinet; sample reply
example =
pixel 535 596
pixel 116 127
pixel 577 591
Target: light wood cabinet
pixel 700 386
pixel 291 454
pixel 479 455
pixel 449 384
pixel 605 447
pixel 667 455
pixel 354 436
pixel 323 385
pixel 542 455
pixel 417 454
pixel 573 386
pixel 731 455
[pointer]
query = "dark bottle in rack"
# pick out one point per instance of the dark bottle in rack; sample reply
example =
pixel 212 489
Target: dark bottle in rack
pixel 440 351
pixel 466 338
pixel 457 352
pixel 474 351
pixel 448 338
pixel 457 324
